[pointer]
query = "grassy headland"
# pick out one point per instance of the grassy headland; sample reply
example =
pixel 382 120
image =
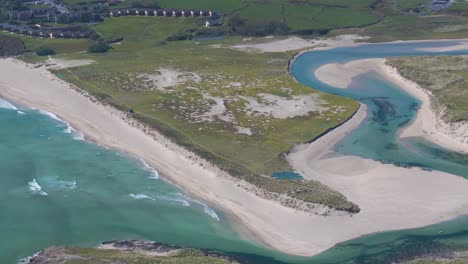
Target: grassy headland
pixel 75 255
pixel 444 76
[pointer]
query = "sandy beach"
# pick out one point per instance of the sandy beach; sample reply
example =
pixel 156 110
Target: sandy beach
pixel 427 124
pixel 390 197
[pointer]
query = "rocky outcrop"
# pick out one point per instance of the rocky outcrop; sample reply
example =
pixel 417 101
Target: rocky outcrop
pixel 128 252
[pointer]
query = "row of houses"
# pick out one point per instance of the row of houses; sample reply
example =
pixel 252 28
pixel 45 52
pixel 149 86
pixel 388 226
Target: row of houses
pixel 91 13
pixel 75 32
pixel 37 14
pixel 212 18
pixel 161 12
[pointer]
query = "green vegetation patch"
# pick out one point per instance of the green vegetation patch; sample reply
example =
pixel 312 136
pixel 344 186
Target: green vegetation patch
pixel 75 255
pixel 445 76
pixel 311 15
pixel 440 261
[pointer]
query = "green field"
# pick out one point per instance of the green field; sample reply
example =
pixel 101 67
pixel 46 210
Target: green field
pixel 297 15
pixel 445 76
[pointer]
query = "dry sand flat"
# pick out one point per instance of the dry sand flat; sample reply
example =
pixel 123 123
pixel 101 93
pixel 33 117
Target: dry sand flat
pixel 295 43
pixel 390 197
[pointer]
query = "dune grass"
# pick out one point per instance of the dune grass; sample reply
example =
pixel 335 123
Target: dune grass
pixel 75 255
pixel 445 76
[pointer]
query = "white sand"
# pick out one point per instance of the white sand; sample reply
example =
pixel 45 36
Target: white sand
pixel 427 124
pixel 295 43
pixel 284 107
pixel 169 78
pixel 390 197
pixel 341 75
pixel 57 63
pixel 462 45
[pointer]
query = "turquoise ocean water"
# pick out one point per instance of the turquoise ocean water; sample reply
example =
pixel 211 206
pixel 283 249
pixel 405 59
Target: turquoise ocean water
pixel 57 189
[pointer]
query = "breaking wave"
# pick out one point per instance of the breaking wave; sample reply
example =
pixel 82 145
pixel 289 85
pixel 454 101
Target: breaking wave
pixel 78 135
pixel 35 188
pixel 27 260
pixel 6 105
pixel 208 210
pixel 148 168
pixel 178 199
pixel 141 196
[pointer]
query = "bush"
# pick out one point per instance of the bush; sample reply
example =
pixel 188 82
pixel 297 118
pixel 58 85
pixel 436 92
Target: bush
pixel 181 36
pixel 99 47
pixel 245 27
pixel 44 51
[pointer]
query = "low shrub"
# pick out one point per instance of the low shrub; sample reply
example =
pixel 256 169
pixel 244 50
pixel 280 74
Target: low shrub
pixel 44 51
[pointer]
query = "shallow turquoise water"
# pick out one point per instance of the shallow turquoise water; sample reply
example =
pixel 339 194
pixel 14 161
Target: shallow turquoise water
pixel 55 189
pixel 390 109
pixel 58 189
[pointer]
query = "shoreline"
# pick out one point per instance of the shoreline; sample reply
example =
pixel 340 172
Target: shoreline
pixel 365 182
pixel 261 220
pixel 427 123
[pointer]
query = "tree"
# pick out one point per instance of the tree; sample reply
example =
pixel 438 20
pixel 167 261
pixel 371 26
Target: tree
pixel 44 51
pixel 99 47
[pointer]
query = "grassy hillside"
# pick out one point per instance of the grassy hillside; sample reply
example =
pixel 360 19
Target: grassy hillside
pixel 445 76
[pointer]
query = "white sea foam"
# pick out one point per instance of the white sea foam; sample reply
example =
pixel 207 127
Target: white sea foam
pixel 153 171
pixel 78 135
pixel 51 115
pixel 6 105
pixel 141 196
pixel 179 200
pixel 35 188
pixel 21 112
pixel 27 260
pixel 208 210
